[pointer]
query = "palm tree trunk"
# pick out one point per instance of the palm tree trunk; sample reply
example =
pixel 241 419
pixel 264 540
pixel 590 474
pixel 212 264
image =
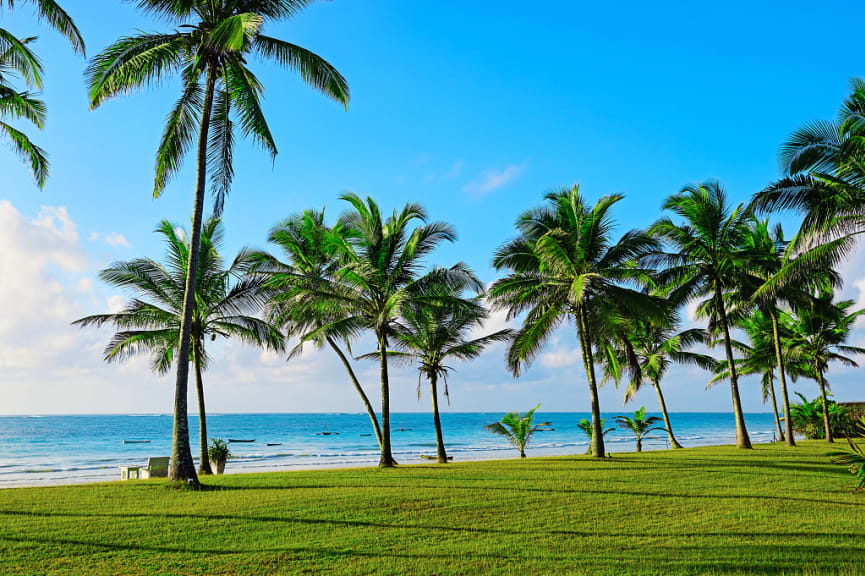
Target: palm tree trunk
pixel 639 443
pixel 822 382
pixel 673 442
pixel 742 439
pixel 182 466
pixel 440 443
pixel 386 460
pixel 203 459
pixel 775 405
pixel 597 431
pixel 369 410
pixel 522 452
pixel 782 377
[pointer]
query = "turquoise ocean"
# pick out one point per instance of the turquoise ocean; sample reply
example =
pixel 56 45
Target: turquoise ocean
pixel 39 450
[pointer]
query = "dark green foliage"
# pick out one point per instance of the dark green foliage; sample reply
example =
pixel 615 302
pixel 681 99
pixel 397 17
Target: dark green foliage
pixel 217 450
pixel 808 418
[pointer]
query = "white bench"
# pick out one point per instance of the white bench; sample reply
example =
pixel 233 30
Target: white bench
pixel 156 468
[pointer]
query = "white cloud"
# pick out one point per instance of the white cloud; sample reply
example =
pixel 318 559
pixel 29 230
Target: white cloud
pixel 116 239
pixel 94 236
pixel 491 180
pixel 115 304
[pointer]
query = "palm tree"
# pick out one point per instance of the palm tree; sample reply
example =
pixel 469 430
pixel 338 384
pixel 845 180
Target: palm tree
pixel 16 59
pixel 586 426
pixel 226 301
pixel 50 11
pixel 565 265
pixel 213 41
pixel 639 425
pixel 303 239
pixel 705 260
pixel 380 275
pixel 824 176
pixel 819 334
pixel 656 345
pixel 517 429
pixel 760 356
pixel 433 334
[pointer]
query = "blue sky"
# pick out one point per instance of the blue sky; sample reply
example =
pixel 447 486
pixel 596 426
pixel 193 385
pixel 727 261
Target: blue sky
pixel 474 109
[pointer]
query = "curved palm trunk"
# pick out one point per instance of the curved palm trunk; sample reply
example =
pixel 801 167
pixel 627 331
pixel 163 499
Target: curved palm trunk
pixel 203 459
pixel 822 382
pixel 782 377
pixel 386 460
pixel 742 439
pixel 182 466
pixel 673 442
pixel 597 432
pixel 369 410
pixel 639 443
pixel 775 406
pixel 440 443
pixel 522 452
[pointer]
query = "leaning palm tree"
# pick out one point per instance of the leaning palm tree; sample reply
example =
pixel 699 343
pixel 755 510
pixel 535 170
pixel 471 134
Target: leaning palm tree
pixel 303 240
pixel 381 274
pixel 819 336
pixel 639 425
pixel 17 59
pixel 433 334
pixel 704 259
pixel 517 429
pixel 225 306
pixel 657 345
pixel 586 426
pixel 565 265
pixel 209 48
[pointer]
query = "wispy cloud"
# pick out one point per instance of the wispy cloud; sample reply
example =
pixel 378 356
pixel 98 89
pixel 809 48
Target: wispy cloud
pixel 491 180
pixel 116 239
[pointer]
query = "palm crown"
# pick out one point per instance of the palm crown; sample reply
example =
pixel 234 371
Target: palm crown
pixel 226 303
pixel 380 274
pixel 210 49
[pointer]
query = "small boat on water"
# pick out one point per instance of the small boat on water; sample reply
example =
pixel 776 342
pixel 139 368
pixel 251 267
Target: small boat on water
pixel 365 435
pixel 546 429
pixel 136 441
pixel 401 429
pixel 326 433
pixel 240 440
pixel 274 443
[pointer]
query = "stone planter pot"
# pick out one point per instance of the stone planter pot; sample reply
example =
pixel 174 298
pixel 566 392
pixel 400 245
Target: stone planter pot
pixel 217 467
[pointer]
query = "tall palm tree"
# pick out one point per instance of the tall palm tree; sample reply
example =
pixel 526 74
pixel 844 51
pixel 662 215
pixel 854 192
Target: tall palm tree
pixel 639 425
pixel 565 265
pixel 656 345
pixel 209 48
pixel 517 429
pixel 227 300
pixel 433 334
pixel 381 274
pixel 762 287
pixel 17 59
pixel 706 255
pixel 303 239
pixel 819 336
pixel 760 357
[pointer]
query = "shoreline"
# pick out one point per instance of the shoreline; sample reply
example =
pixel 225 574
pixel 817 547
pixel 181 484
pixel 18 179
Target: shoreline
pixel 348 465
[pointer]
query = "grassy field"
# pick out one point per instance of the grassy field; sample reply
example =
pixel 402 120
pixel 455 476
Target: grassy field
pixel 713 510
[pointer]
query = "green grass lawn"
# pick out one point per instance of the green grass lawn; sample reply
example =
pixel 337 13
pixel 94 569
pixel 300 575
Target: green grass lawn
pixel 713 510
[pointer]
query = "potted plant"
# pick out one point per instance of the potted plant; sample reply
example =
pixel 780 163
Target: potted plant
pixel 218 453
